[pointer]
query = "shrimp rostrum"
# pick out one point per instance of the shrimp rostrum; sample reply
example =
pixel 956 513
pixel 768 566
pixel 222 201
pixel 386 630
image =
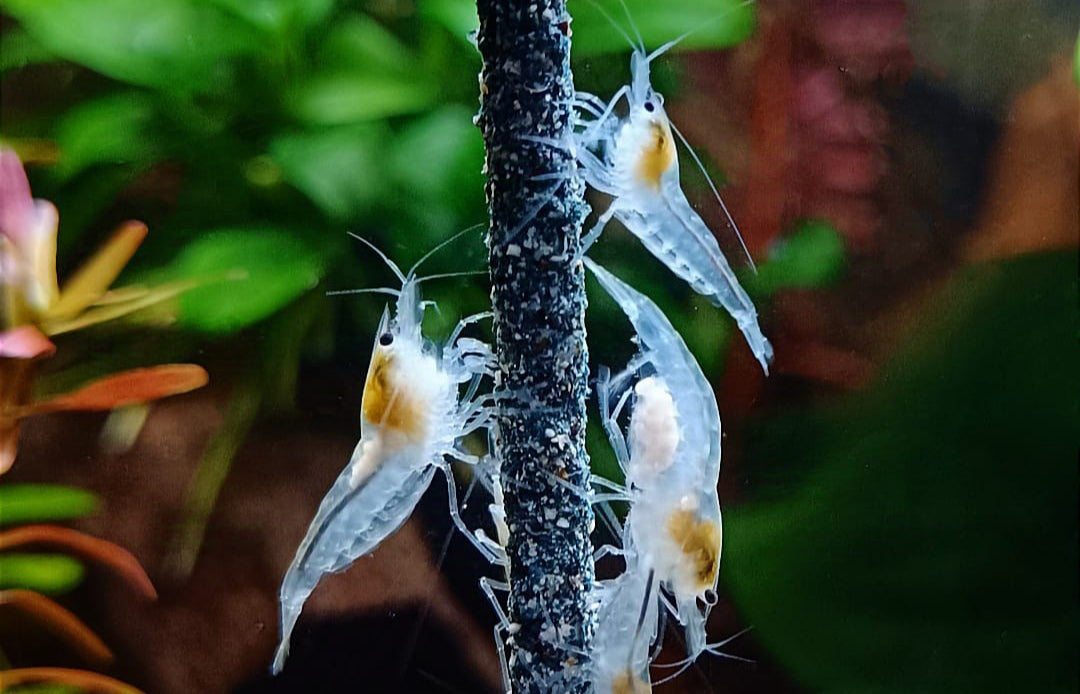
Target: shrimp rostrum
pixel 670 455
pixel 633 158
pixel 419 400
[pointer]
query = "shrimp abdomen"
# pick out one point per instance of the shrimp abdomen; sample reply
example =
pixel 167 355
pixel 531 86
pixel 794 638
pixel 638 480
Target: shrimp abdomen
pixel 351 522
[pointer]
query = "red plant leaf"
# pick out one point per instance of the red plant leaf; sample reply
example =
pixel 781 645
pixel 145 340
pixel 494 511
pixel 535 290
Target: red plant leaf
pixel 59 621
pixel 89 682
pixel 127 388
pixel 86 546
pixel 25 342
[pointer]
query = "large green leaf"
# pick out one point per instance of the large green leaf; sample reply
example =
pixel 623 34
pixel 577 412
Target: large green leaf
pixel 167 44
pixel 109 130
pixel 46 573
pixel 36 503
pixel 18 49
pixel 350 97
pixel 922 536
pixel 341 170
pixel 706 24
pixel 242 276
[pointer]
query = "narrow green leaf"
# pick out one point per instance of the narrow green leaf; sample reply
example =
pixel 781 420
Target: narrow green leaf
pixel 50 574
pixel 34 503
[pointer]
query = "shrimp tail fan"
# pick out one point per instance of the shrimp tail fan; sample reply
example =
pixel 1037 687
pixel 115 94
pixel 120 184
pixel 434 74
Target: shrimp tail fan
pixel 351 521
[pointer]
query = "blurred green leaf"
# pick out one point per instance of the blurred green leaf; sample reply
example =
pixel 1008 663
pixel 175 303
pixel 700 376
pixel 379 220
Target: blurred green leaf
pixel 341 170
pixel 45 689
pixel 18 49
pixel 927 541
pixel 811 255
pixel 357 41
pixel 336 99
pixel 34 503
pixel 46 573
pixel 245 275
pixel 109 130
pixel 170 44
pixel 278 16
pixel 440 156
pixel 1076 62
pixel 713 23
pixel 459 18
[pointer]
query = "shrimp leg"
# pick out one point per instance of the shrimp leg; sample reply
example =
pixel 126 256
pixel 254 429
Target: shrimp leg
pixel 455 515
pixel 505 626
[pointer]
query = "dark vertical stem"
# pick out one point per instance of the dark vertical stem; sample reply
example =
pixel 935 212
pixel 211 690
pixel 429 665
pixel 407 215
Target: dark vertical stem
pixel 538 296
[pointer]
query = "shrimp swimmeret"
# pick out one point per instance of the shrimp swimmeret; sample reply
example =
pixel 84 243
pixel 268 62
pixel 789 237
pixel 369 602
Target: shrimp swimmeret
pixel 633 158
pixel 671 460
pixel 413 416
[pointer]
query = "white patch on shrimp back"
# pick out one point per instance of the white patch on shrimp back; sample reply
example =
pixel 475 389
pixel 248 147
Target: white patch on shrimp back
pixel 654 429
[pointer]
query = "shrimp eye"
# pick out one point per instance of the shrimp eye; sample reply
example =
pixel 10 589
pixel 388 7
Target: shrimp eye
pixel 386 339
pixel 710 597
pixel 650 106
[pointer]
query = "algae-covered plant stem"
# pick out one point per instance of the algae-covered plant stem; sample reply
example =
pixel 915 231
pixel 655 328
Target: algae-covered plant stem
pixel 536 206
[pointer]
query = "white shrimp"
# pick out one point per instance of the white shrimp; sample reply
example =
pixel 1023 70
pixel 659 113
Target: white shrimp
pixel 626 625
pixel 413 415
pixel 633 159
pixel 672 462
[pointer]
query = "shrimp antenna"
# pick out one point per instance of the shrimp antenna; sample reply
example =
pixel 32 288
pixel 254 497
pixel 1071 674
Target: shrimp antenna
pixel 369 290
pixel 676 41
pixel 716 194
pixel 712 649
pixel 633 25
pixel 390 263
pixel 616 25
pixel 439 246
pixel 444 275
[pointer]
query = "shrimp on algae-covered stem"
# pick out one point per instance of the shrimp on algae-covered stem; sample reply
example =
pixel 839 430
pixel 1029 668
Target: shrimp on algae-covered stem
pixel 671 460
pixel 633 158
pixel 419 400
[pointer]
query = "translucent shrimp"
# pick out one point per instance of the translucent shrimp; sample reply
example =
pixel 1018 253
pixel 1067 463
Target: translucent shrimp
pixel 671 460
pixel 626 625
pixel 413 415
pixel 633 158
